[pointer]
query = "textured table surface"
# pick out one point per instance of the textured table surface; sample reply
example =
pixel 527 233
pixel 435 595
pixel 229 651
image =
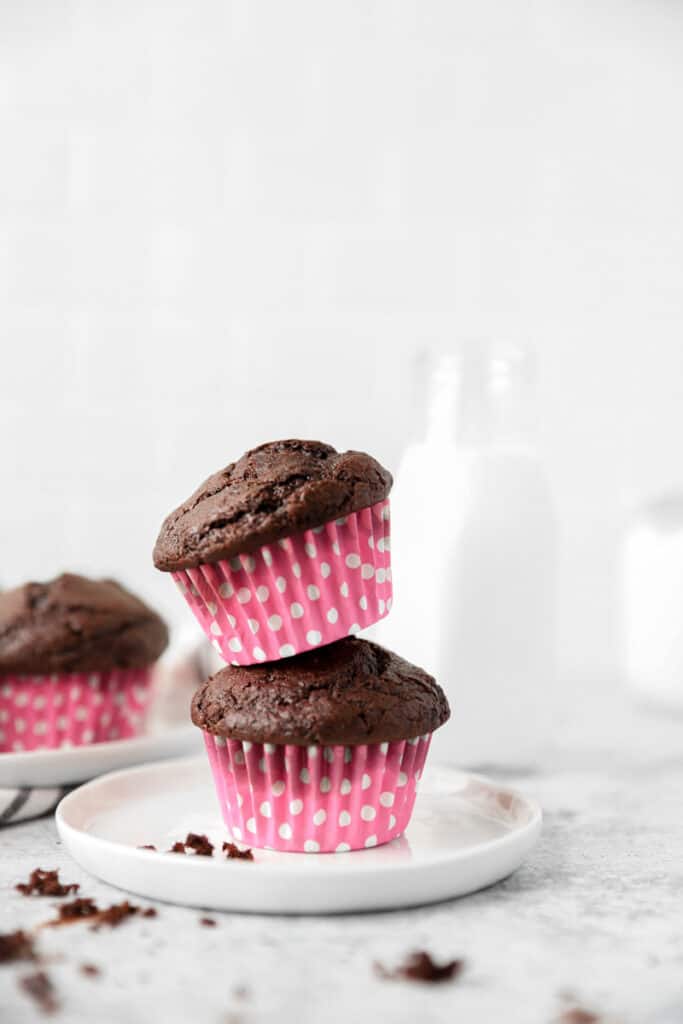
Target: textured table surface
pixel 593 919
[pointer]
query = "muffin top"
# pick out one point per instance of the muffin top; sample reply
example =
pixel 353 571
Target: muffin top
pixel 350 692
pixel 278 489
pixel 73 624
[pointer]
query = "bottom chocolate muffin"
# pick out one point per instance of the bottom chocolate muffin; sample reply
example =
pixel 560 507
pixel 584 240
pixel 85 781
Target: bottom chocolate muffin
pixel 321 752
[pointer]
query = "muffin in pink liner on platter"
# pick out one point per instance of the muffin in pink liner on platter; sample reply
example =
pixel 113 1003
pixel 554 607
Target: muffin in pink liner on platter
pixel 321 752
pixel 285 550
pixel 75 663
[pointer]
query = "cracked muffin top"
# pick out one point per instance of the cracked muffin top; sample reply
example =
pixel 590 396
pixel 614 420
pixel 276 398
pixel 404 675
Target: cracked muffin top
pixel 351 692
pixel 73 624
pixel 272 491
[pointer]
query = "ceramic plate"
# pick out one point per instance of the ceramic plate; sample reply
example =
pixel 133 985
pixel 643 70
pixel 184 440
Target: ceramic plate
pixel 69 765
pixel 466 833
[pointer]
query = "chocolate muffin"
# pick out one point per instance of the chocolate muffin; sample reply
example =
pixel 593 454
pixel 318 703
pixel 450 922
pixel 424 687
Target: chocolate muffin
pixel 284 550
pixel 272 491
pixel 73 624
pixel 351 692
pixel 76 658
pixel 321 752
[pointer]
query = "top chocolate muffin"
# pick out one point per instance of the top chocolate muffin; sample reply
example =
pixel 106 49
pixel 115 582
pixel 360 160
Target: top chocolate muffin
pixel 351 692
pixel 275 490
pixel 73 624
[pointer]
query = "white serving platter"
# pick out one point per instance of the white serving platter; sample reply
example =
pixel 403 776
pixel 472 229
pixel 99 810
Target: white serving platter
pixel 466 833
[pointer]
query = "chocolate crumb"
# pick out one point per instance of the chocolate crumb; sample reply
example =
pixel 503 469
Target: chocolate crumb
pixel 115 914
pixel 200 844
pixel 149 846
pixel 83 909
pixel 39 987
pixel 16 946
pixel 208 922
pixel 45 883
pixel 90 970
pixel 233 852
pixel 201 847
pixel 77 909
pixel 579 1016
pixel 421 967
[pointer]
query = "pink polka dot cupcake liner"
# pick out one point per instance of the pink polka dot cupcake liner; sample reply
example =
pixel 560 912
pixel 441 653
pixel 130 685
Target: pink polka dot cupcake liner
pixel 316 799
pixel 40 711
pixel 298 593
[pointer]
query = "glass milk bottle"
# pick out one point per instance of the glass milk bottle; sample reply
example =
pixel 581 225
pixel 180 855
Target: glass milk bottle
pixel 473 550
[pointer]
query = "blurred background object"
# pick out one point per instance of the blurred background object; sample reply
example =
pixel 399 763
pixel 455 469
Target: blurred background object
pixel 652 603
pixel 223 222
pixel 188 662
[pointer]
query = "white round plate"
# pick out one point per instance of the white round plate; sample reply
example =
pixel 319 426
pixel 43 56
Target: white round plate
pixel 466 833
pixel 68 765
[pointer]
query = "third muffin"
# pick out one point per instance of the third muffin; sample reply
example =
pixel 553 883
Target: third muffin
pixel 75 663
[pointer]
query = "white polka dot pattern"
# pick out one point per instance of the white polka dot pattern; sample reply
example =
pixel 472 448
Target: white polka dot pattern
pixel 307 590
pixel 72 709
pixel 316 799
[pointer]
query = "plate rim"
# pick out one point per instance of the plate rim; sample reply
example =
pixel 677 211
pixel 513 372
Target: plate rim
pixel 136 750
pixel 25 756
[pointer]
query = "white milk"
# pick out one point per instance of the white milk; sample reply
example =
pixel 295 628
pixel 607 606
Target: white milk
pixel 473 552
pixel 652 603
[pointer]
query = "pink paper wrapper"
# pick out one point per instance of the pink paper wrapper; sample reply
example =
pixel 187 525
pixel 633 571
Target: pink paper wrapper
pixel 302 592
pixel 316 799
pixel 71 709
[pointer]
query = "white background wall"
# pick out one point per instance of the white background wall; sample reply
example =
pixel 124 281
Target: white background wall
pixel 222 222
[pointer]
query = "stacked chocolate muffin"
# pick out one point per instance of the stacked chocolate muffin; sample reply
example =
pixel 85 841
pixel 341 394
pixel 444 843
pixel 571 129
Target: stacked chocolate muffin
pixel 316 739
